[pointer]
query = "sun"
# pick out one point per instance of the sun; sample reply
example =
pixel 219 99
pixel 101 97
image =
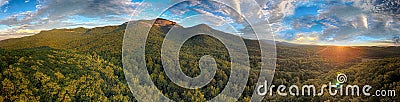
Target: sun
pixel 340 54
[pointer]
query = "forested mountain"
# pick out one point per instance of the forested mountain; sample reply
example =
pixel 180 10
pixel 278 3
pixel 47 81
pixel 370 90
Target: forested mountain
pixel 47 74
pixel 85 64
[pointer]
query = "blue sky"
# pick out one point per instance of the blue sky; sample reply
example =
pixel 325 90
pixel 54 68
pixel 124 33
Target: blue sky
pixel 323 22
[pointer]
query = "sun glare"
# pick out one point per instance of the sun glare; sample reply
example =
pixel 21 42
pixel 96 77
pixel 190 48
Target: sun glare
pixel 340 54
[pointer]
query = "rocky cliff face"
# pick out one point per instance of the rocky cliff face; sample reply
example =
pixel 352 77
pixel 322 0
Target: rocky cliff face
pixel 164 22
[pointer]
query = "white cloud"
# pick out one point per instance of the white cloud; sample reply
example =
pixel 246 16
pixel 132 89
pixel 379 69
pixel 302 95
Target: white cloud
pixel 308 38
pixel 53 14
pixel 16 32
pixel 237 6
pixel 3 37
pixel 60 9
pixel 4 2
pixel 27 31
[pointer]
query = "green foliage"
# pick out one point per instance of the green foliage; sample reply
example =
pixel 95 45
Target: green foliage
pixel 45 74
pixel 85 65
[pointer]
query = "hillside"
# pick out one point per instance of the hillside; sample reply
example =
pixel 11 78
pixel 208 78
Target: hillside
pixel 47 74
pixel 104 44
pixel 85 64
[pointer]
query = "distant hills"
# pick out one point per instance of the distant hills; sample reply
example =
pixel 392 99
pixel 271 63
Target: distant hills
pixel 85 65
pixel 109 39
pixel 68 38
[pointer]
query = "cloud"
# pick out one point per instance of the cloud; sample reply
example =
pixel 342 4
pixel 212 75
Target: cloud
pixel 342 11
pixel 3 37
pixel 335 20
pixel 338 21
pixel 18 19
pixel 361 21
pixel 390 7
pixel 3 2
pixel 27 31
pixel 53 14
pixel 60 9
pixel 237 6
pixel 307 37
pixel 16 33
pixel 90 8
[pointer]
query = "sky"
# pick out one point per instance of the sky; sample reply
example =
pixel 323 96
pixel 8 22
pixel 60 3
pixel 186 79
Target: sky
pixel 321 22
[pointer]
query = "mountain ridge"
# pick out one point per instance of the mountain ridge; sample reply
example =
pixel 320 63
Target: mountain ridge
pixel 160 23
pixel 85 64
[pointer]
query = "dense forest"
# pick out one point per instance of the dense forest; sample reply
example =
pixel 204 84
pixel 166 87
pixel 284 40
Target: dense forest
pixel 86 64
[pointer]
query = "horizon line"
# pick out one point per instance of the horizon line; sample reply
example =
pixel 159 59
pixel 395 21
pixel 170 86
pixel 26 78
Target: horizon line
pixel 290 42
